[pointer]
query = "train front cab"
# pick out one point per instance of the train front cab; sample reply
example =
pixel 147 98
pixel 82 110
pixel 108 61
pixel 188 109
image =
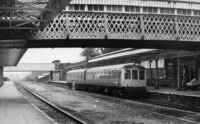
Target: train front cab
pixel 134 81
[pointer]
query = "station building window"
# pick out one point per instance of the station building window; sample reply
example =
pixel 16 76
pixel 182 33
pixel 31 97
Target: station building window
pixel 114 8
pixel 77 7
pixel 167 11
pixel 132 8
pixel 95 8
pixel 184 12
pixel 150 10
pixel 170 66
pixel 197 12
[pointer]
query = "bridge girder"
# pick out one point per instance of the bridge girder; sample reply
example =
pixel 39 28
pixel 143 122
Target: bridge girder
pixel 57 5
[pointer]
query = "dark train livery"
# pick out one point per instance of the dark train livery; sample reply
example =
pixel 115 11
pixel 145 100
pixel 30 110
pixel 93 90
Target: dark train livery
pixel 121 79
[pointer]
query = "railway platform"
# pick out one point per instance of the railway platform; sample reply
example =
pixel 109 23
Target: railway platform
pixel 165 90
pixel 171 95
pixel 15 109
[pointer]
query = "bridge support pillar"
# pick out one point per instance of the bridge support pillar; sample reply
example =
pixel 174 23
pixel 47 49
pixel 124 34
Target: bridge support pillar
pixel 178 74
pixel 1 75
pixel 156 76
pixel 51 76
pixel 150 72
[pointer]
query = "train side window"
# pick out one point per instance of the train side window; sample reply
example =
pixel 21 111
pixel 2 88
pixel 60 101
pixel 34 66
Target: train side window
pixel 135 74
pixel 127 74
pixel 142 75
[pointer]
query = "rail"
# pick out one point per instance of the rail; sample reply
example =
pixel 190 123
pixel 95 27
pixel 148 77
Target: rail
pixel 74 118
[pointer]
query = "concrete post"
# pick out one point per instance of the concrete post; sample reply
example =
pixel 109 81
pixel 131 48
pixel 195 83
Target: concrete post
pixel 178 74
pixel 156 76
pixel 150 71
pixel 73 87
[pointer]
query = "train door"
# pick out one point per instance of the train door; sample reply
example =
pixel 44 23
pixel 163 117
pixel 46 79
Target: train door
pixel 130 77
pixel 126 77
pixel 142 78
pixel 135 76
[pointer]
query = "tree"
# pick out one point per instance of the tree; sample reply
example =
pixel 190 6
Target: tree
pixel 90 52
pixel 107 50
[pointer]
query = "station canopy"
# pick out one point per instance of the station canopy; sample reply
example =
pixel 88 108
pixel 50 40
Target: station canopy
pixel 22 14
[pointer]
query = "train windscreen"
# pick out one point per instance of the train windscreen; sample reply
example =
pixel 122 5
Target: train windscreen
pixel 135 74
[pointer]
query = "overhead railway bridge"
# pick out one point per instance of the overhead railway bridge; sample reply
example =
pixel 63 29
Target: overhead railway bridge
pixel 163 24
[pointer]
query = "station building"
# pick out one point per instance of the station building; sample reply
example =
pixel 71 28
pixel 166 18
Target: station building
pixel 164 67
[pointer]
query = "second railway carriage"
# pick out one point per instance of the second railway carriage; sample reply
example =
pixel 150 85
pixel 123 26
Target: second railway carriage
pixel 78 76
pixel 122 78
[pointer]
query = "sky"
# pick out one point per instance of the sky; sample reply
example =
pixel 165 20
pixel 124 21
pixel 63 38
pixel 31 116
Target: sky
pixel 44 55
pixel 47 55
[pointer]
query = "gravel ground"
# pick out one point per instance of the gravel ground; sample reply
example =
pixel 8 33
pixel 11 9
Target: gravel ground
pixel 98 111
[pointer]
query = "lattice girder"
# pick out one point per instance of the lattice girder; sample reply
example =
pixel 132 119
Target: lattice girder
pixel 81 25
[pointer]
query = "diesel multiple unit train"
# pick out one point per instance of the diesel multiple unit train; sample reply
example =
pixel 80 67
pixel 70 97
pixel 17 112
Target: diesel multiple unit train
pixel 121 79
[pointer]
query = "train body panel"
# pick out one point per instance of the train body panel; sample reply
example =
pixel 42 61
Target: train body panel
pixel 76 75
pixel 108 76
pixel 128 78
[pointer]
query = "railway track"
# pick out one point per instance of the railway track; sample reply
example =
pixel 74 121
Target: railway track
pixel 57 114
pixel 148 101
pixel 129 104
pixel 171 105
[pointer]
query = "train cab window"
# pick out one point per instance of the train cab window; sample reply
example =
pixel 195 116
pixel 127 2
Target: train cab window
pixel 127 74
pixel 142 75
pixel 135 74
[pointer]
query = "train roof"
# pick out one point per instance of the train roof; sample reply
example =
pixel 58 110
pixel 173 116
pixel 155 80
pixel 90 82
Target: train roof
pixel 77 70
pixel 120 53
pixel 116 67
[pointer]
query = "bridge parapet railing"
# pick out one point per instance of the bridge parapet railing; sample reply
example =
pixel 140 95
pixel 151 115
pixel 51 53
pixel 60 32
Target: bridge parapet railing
pixel 96 25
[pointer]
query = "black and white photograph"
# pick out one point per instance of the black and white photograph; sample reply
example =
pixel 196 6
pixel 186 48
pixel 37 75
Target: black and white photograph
pixel 99 61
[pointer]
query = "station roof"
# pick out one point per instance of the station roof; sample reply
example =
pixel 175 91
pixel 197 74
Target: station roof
pixel 15 13
pixel 23 15
pixel 10 57
pixel 138 55
pixel 26 67
pixel 29 13
pixel 121 53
